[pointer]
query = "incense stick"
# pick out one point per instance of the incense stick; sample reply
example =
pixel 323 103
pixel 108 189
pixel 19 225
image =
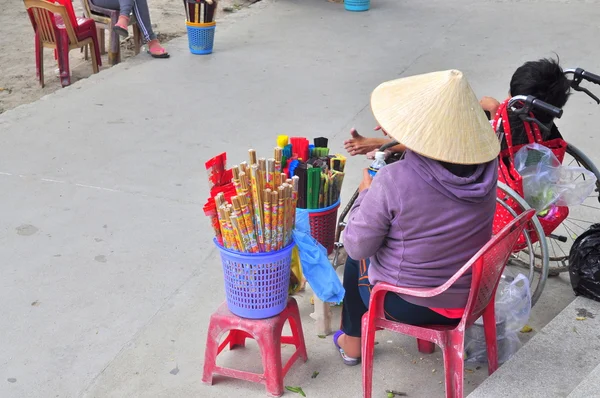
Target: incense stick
pixel 252 156
pixel 280 218
pixel 274 218
pixel 278 153
pixel 267 216
pixel 258 207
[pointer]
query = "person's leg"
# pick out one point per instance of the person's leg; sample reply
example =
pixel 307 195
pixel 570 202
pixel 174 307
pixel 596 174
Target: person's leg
pixel 142 15
pixel 353 309
pixel 124 6
pixel 399 310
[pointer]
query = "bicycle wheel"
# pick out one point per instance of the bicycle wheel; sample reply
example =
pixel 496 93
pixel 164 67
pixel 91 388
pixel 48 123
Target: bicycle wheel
pixel 580 217
pixel 534 256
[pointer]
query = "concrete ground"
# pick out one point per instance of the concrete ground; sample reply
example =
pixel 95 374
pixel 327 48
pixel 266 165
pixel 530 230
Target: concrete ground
pixel 108 271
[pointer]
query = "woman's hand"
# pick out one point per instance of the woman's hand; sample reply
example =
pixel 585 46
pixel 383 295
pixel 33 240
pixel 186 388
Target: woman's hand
pixel 366 181
pixel 359 145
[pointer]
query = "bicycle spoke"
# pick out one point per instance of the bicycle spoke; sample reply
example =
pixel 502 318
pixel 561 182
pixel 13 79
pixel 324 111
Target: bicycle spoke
pixel 553 248
pixel 574 234
pixel 590 207
pixel 580 220
pixel 583 228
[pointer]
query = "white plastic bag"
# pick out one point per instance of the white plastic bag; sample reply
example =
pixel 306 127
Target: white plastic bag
pixel 513 308
pixel 513 303
pixel 546 182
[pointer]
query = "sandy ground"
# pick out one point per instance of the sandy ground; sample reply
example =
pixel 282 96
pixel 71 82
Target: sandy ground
pixel 18 83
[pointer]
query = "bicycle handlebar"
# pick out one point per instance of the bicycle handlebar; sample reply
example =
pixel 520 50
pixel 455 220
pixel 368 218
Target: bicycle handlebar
pixel 530 102
pixel 579 74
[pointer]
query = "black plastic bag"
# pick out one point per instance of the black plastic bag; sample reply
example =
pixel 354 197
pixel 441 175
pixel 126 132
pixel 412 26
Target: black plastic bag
pixel 584 264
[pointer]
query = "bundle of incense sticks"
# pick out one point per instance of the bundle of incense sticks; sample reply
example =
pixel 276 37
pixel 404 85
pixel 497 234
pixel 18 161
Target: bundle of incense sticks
pixel 261 217
pixel 200 11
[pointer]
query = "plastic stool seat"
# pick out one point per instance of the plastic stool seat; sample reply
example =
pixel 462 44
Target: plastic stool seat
pixel 268 335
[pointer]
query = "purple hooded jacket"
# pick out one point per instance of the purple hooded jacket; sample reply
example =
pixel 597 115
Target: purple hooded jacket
pixel 419 223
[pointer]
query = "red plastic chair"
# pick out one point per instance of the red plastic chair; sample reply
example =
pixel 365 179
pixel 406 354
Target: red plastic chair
pixel 487 267
pixel 56 26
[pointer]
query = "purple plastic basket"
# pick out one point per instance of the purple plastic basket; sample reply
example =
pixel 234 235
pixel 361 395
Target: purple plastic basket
pixel 256 285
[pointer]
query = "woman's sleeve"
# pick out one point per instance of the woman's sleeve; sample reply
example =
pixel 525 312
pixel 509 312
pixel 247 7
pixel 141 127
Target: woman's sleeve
pixel 370 218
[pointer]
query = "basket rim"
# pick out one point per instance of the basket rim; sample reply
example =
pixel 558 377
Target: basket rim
pixel 324 209
pixel 200 24
pixel 253 255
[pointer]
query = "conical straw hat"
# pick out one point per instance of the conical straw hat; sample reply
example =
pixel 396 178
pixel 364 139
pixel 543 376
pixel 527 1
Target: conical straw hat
pixel 436 115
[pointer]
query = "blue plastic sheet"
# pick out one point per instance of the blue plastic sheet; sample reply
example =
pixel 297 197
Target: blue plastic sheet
pixel 315 265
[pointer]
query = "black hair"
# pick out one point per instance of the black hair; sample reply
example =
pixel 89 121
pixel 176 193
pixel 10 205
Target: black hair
pixel 460 170
pixel 545 80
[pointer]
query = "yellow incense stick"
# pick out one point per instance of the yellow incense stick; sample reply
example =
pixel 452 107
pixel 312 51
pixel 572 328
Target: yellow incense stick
pixel 258 205
pixel 252 156
pixel 280 218
pixel 240 235
pixel 245 222
pixel 274 218
pixel 233 233
pixel 244 167
pixel 278 153
pixel 267 215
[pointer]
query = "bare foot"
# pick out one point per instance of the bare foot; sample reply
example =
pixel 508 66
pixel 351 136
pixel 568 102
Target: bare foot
pixel 359 145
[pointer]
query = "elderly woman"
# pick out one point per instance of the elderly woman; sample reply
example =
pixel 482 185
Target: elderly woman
pixel 422 218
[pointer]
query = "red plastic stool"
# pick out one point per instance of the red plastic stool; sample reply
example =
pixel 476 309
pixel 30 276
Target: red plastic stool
pixel 267 333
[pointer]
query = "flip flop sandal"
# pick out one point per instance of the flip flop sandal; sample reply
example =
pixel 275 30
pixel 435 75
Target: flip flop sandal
pixel 349 361
pixel 159 55
pixel 121 31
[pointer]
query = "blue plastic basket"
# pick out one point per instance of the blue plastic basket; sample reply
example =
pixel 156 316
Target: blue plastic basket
pixel 201 37
pixel 357 5
pixel 256 285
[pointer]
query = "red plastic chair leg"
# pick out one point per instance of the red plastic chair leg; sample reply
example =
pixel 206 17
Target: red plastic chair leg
pixel 62 43
pixel 454 364
pixel 425 347
pixel 489 327
pixel 368 348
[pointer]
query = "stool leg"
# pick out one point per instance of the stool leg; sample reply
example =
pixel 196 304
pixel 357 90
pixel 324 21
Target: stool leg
pixel 137 39
pixel 212 350
pixel 297 332
pixel 115 47
pixel 270 347
pixel 102 40
pixel 237 338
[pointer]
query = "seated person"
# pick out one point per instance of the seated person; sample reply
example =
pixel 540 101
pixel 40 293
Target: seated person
pixel 544 79
pixel 142 15
pixel 421 236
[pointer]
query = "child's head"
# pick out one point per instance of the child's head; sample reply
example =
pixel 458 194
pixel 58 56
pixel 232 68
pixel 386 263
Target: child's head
pixel 544 79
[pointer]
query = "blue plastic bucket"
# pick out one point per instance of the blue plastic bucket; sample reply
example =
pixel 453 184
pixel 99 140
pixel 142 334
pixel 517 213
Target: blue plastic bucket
pixel 357 5
pixel 201 37
pixel 256 285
